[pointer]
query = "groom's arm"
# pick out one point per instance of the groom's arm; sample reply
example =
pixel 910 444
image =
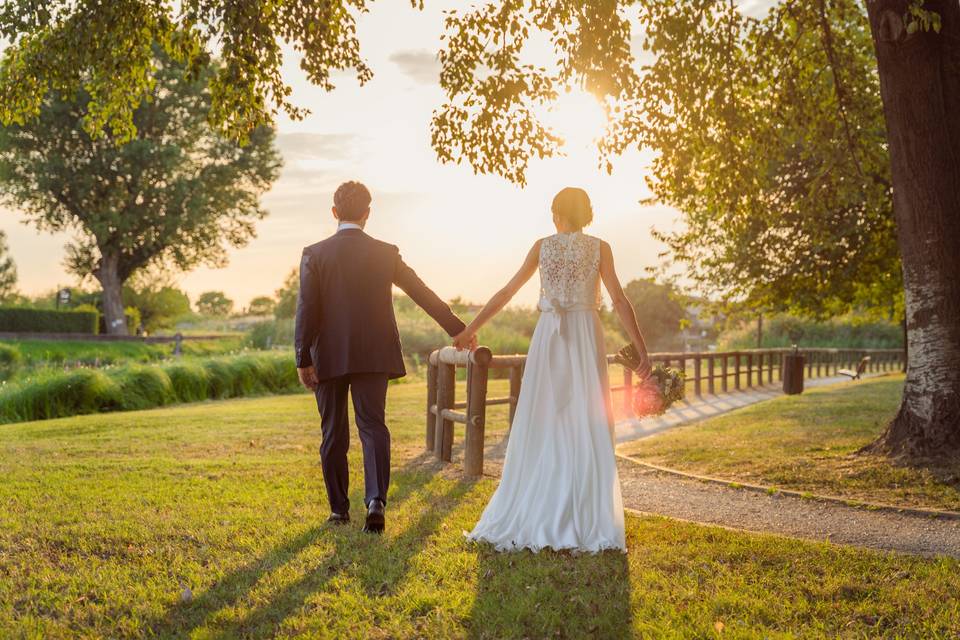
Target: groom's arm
pixel 405 278
pixel 308 306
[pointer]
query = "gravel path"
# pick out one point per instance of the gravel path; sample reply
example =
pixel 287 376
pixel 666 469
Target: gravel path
pixel 664 494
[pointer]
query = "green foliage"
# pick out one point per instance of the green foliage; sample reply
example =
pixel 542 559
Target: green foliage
pixel 58 394
pixel 659 313
pixel 176 196
pixel 159 307
pixel 143 387
pixel 10 361
pixel 107 49
pixel 24 319
pixel 52 393
pixel 8 270
pixel 844 332
pixel 262 306
pixel 189 380
pixel 287 296
pixel 215 304
pixel 768 132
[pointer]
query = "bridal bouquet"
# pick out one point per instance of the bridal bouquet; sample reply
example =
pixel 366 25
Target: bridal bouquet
pixel 654 395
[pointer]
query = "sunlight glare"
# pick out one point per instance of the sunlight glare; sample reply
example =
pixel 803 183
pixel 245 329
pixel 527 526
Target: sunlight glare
pixel 579 119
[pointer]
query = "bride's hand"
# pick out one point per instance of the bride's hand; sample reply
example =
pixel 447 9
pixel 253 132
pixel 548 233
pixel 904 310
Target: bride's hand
pixel 466 339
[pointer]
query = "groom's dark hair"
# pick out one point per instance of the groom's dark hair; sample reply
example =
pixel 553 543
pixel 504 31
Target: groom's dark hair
pixel 352 200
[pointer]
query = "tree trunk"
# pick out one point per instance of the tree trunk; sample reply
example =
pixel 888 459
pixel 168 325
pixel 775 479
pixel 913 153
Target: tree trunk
pixel 109 278
pixel 920 85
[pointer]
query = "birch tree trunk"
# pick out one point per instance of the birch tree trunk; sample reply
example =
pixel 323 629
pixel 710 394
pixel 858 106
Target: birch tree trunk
pixel 920 85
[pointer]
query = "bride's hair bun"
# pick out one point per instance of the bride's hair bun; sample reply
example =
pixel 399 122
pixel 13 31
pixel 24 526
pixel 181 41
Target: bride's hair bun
pixel 572 206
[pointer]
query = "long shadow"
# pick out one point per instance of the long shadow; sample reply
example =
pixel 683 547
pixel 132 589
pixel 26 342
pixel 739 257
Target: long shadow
pixel 379 565
pixel 551 594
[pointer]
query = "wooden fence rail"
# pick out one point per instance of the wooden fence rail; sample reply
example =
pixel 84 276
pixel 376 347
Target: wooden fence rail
pixel 747 369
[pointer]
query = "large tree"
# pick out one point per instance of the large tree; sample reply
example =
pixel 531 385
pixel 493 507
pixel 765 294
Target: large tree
pixel 176 195
pixel 775 138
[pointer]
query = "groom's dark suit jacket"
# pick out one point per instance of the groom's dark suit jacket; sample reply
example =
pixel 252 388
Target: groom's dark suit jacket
pixel 345 322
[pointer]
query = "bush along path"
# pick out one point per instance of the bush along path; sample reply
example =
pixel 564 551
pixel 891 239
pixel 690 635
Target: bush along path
pixel 60 394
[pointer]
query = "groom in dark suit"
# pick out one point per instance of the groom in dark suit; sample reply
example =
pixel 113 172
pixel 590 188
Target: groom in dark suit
pixel 346 338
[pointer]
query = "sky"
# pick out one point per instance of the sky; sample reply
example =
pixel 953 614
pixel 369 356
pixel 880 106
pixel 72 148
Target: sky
pixel 464 234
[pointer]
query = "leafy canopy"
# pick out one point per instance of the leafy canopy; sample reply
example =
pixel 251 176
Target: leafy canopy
pixel 105 49
pixel 214 304
pixel 176 195
pixel 768 132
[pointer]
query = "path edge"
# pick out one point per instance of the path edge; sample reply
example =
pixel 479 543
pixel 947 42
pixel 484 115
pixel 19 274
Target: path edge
pixel 771 490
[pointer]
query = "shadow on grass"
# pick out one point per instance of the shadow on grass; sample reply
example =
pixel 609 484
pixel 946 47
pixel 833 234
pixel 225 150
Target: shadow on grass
pixel 551 594
pixel 379 564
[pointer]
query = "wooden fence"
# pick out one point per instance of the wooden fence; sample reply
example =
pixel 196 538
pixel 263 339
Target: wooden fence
pixel 707 372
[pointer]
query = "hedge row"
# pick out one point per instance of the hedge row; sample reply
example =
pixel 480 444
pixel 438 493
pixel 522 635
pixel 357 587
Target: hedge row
pixel 133 387
pixel 25 319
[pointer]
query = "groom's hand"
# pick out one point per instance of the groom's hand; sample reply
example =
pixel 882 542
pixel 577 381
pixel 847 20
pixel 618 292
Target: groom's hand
pixel 465 340
pixel 308 377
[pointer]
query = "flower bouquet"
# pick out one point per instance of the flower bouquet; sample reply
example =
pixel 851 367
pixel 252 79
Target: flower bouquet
pixel 658 391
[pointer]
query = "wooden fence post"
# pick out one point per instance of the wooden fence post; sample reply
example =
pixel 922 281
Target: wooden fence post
pixel 697 387
pixel 446 388
pixel 749 370
pixel 723 372
pixel 477 376
pixel 431 401
pixel 516 376
pixel 711 388
pixel 736 370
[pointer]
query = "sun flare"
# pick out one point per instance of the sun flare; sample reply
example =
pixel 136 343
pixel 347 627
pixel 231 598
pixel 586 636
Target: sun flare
pixel 579 119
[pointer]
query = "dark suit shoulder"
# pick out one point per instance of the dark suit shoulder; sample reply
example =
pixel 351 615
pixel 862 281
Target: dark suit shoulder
pixel 347 236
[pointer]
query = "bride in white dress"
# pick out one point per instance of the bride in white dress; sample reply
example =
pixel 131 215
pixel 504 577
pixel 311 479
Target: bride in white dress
pixel 559 487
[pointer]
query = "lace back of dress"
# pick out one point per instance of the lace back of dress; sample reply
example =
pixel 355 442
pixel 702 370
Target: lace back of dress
pixel 570 269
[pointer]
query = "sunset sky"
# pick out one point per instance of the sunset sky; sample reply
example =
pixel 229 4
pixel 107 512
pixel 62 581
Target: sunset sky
pixel 464 234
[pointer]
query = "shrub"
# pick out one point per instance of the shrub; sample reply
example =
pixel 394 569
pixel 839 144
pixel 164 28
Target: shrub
pixel 842 332
pixel 10 359
pixel 60 394
pixel 25 319
pixel 144 387
pixel 189 380
pixel 219 378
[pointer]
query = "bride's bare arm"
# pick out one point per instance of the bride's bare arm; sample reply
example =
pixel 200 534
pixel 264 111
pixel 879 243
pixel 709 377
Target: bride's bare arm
pixel 501 298
pixel 628 318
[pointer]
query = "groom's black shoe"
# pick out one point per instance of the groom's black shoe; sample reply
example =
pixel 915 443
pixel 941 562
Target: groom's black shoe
pixel 375 517
pixel 338 518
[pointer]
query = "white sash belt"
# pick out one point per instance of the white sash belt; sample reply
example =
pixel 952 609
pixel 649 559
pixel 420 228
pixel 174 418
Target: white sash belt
pixel 558 353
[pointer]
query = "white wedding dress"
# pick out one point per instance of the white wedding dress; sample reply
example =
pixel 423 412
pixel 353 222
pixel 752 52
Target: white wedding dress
pixel 559 487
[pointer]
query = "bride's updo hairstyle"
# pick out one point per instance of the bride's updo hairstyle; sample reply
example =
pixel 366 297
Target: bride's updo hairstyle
pixel 572 207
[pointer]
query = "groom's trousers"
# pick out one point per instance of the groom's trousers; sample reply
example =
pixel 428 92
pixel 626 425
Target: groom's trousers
pixel 369 391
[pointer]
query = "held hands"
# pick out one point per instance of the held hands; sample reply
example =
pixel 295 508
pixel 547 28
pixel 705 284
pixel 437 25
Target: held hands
pixel 465 340
pixel 308 377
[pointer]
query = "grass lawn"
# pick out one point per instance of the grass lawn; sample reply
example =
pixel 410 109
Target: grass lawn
pixel 808 443
pixel 107 520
